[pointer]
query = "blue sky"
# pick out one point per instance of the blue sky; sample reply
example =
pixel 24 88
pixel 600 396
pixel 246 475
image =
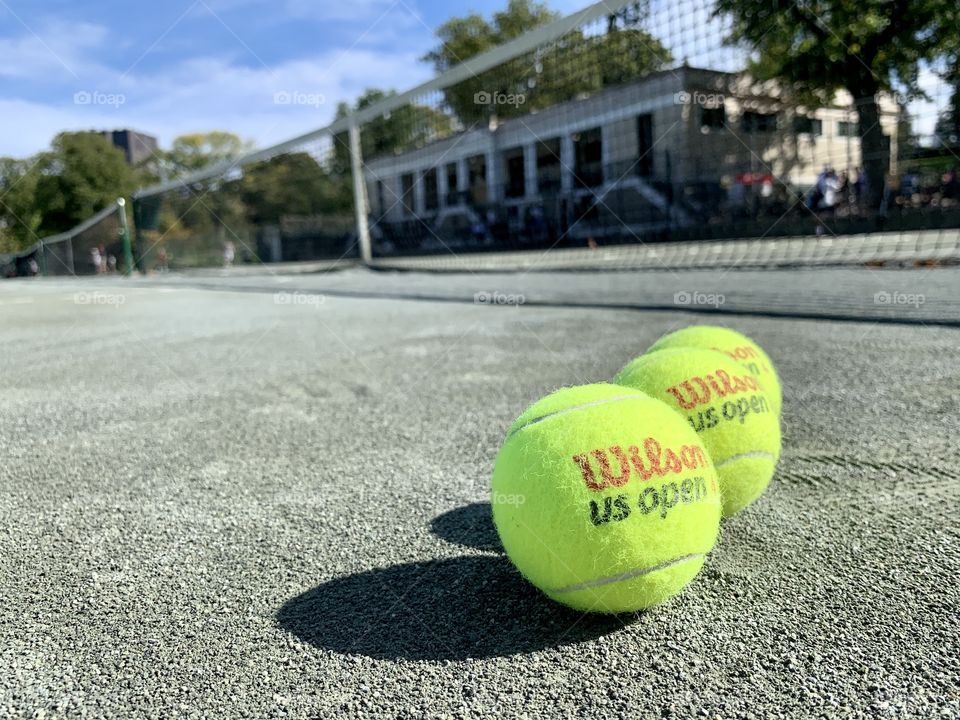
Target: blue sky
pixel 179 66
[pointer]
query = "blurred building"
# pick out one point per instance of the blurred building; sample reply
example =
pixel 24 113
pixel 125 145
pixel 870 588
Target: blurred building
pixel 136 146
pixel 664 151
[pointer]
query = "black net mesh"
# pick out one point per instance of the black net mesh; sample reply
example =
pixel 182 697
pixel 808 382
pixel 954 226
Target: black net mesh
pixel 94 248
pixel 639 123
pixel 294 205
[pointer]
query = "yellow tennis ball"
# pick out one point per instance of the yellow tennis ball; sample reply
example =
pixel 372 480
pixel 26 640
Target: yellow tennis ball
pixel 733 344
pixel 605 499
pixel 727 407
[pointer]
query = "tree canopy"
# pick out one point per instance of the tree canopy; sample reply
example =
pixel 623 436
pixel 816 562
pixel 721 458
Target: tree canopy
pixel 292 184
pixel 20 216
pixel 561 71
pixel 816 47
pixel 407 127
pixel 195 151
pixel 59 188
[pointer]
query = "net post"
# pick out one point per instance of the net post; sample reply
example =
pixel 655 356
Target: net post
pixel 69 249
pixel 125 236
pixel 359 194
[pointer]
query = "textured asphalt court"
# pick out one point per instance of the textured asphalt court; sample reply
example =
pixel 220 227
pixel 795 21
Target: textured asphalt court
pixel 267 497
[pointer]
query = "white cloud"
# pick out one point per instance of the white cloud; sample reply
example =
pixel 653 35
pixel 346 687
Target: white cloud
pixel 57 80
pixel 388 13
pixel 54 51
pixel 356 11
pixel 215 93
pixel 33 125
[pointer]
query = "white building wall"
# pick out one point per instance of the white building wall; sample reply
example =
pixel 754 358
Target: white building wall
pixel 694 154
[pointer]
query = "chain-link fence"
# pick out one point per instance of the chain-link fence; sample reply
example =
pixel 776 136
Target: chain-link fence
pixel 287 203
pixel 99 245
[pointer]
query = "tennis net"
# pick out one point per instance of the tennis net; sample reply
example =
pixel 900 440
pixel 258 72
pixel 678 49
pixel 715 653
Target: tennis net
pixel 623 123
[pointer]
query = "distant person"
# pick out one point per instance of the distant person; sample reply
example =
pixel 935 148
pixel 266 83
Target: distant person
pixel 891 189
pixel 102 251
pixel 859 185
pixel 478 230
pixel 535 224
pixel 950 188
pixel 112 263
pixel 844 188
pixel 229 253
pixel 819 189
pixel 96 259
pixel 831 190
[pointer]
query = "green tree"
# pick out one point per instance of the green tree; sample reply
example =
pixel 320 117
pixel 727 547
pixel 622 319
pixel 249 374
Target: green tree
pixel 210 206
pixel 195 151
pixel 407 127
pixel 465 37
pixel 627 52
pixel 20 216
pixel 816 47
pixel 293 184
pixel 79 176
pixel 574 65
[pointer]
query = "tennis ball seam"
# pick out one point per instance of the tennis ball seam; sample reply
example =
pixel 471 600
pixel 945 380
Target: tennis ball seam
pixel 629 575
pixel 575 408
pixel 744 456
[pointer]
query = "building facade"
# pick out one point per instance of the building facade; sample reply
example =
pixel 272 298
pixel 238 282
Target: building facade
pixel 658 152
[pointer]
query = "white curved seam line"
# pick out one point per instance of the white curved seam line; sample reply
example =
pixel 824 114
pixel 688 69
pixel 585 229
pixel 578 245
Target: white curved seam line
pixel 629 575
pixel 742 456
pixel 594 403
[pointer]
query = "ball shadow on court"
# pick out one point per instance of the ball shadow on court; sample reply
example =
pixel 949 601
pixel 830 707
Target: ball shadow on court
pixel 453 609
pixel 470 526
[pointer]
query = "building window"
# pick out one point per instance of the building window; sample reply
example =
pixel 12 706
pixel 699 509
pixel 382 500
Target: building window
pixel 803 125
pixel 513 166
pixel 477 174
pixel 453 185
pixel 548 166
pixel 713 118
pixel 848 129
pixel 406 193
pixel 756 122
pixel 645 145
pixel 588 158
pixel 381 201
pixel 431 191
